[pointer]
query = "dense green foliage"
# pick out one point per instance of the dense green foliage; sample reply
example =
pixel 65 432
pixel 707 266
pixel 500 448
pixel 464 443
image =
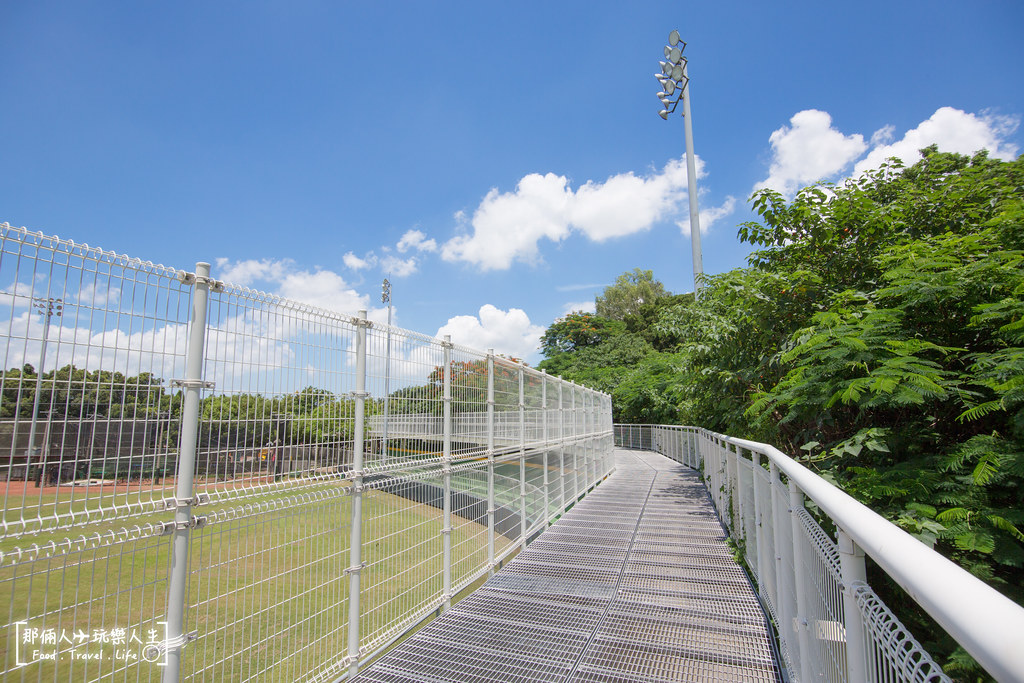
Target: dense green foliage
pixel 878 334
pixel 628 294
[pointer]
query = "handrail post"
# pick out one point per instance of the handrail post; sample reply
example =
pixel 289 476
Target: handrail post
pixel 356 544
pixel 796 504
pixel 522 462
pixel 852 569
pixel 490 462
pixel 544 438
pixel 446 469
pixel 759 539
pixel 561 446
pixel 584 414
pixel 575 456
pixel 183 521
pixel 780 529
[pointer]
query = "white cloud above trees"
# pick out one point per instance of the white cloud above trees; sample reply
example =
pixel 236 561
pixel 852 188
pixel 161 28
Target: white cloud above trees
pixel 808 150
pixel 507 332
pixel 952 130
pixel 811 149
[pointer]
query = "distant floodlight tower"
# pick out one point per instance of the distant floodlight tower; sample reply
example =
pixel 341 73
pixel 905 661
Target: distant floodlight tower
pixel 674 81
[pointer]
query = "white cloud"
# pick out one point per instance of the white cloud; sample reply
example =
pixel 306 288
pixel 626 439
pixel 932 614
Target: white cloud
pixel 323 288
pixel 398 267
pixel 709 216
pixel 811 149
pixel 507 332
pixel 807 151
pixel 584 306
pixel 507 227
pixel 577 288
pixel 415 239
pixel 319 287
pixel 246 272
pixel 883 136
pixel 952 130
pixel 355 263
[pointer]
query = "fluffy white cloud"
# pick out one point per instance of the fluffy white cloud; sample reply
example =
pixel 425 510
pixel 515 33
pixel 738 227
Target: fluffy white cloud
pixel 355 263
pixel 415 239
pixel 809 150
pixel 398 267
pixel 322 288
pixel 246 272
pixel 952 130
pixel 709 216
pixel 507 227
pixel 507 332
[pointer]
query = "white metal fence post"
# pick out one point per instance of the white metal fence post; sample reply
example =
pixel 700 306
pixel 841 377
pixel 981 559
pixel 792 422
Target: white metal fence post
pixel 356 543
pixel 852 569
pixel 760 548
pixel 561 446
pixel 183 520
pixel 522 462
pixel 780 526
pixel 575 461
pixel 446 455
pixel 490 461
pixel 588 428
pixel 800 580
pixel 544 438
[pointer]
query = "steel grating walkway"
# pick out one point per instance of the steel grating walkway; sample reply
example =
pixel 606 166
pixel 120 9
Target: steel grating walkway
pixel 635 583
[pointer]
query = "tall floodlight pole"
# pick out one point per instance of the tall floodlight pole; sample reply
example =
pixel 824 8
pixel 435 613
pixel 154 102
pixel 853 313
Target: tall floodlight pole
pixel 385 298
pixel 674 81
pixel 48 308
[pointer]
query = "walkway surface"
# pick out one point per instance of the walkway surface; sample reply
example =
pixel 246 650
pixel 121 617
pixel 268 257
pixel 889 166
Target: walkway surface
pixel 635 583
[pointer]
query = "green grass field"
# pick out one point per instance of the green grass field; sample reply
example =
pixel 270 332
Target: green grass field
pixel 268 587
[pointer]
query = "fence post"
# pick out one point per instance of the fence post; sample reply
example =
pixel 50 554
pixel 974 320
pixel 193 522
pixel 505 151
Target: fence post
pixel 590 426
pixel 490 462
pixel 446 469
pixel 544 438
pixel 575 460
pixel 852 569
pixel 356 544
pixel 780 531
pixel 796 504
pixel 561 445
pixel 759 542
pixel 522 462
pixel 183 520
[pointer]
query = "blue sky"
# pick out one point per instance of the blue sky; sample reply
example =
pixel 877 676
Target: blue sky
pixel 502 162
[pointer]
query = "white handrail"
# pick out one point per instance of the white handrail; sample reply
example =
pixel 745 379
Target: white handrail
pixel 985 622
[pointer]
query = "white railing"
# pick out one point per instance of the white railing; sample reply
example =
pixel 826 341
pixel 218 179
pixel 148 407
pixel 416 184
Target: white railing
pixel 197 483
pixel 831 624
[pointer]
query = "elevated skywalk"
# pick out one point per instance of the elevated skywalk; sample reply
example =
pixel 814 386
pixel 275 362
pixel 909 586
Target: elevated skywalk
pixel 634 583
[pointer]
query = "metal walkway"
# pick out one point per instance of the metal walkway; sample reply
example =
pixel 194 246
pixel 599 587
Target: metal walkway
pixel 635 583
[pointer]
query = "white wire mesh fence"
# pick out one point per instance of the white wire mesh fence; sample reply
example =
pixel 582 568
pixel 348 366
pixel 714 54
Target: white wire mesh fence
pixel 204 482
pixel 830 624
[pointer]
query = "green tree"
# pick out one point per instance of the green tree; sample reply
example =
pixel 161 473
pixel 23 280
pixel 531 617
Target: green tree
pixel 576 331
pixel 630 291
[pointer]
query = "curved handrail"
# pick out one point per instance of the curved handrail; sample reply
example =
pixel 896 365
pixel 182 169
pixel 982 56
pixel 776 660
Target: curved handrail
pixel 985 622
